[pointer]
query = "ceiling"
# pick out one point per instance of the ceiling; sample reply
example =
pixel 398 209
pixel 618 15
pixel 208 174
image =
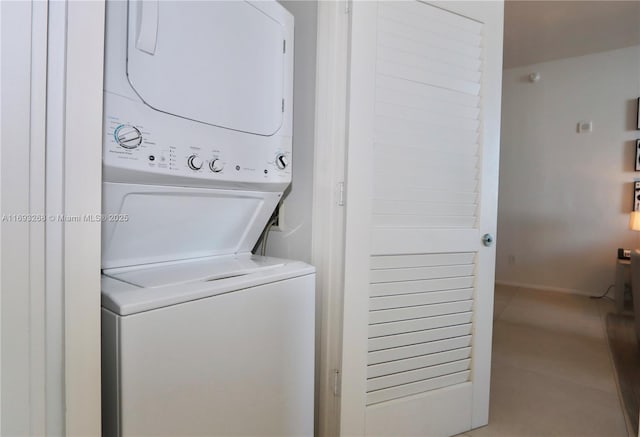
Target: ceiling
pixel 539 31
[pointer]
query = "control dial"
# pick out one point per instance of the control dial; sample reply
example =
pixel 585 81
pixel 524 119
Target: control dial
pixel 216 165
pixel 128 136
pixel 282 161
pixel 194 162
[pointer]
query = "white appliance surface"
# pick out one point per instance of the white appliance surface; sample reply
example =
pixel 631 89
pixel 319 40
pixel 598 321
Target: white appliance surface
pixel 154 223
pixel 198 94
pixel 199 336
pixel 197 129
pixel 132 290
pixel 236 363
pixel 233 49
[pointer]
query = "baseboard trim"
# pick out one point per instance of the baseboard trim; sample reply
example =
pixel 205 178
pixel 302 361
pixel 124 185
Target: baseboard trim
pixel 544 287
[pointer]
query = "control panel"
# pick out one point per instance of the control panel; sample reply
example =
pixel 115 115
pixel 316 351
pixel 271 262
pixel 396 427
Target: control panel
pixel 205 154
pixel 128 136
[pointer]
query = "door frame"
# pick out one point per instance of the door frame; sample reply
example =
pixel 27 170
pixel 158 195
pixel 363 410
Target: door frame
pixel 327 239
pixel 24 64
pixel 82 191
pixel 52 155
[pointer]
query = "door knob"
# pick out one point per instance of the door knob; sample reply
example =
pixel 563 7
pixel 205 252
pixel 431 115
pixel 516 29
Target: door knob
pixel 487 240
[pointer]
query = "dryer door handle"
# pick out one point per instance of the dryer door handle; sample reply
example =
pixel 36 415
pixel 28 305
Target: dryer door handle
pixel 147 26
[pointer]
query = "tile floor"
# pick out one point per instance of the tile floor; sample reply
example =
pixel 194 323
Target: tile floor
pixel 552 373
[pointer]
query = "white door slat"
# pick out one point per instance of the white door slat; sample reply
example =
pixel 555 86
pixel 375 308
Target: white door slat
pixel 414 273
pixel 426 181
pixel 427 64
pixel 407 132
pixel 400 340
pixel 393 288
pixel 429 129
pixel 391 367
pixel 417 387
pixel 386 192
pixel 451 172
pixel 423 208
pixel 465 169
pixel 398 42
pixel 426 196
pixel 428 38
pixel 453 169
pixel 400 353
pixel 427 77
pixel 458 180
pixel 420 115
pixel 415 222
pixel 438 309
pixel 410 376
pixel 401 14
pixel 414 178
pixel 417 299
pixel 400 90
pixel 438 152
pixel 421 260
pixel 389 137
pixel 450 149
pixel 421 240
pixel 435 14
pixel 391 328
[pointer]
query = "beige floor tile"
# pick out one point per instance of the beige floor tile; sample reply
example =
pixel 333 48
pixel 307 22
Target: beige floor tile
pixel 578 358
pixel 501 298
pixel 554 311
pixel 525 403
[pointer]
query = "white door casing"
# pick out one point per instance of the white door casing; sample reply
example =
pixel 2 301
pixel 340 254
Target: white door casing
pixel 22 125
pixel 422 175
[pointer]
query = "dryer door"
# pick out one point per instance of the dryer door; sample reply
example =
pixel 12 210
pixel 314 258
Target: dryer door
pixel 217 62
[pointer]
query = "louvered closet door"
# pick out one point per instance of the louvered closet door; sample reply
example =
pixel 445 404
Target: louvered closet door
pixel 424 111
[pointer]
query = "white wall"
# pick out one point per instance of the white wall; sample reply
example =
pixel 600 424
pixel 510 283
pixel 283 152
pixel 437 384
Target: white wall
pixel 565 197
pixel 293 239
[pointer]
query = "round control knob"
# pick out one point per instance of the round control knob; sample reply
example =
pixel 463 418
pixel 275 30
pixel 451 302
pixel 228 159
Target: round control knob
pixel 216 165
pixel 128 136
pixel 282 161
pixel 194 162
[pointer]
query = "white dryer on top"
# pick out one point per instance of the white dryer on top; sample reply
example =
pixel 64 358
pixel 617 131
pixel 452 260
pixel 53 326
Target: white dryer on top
pixel 198 93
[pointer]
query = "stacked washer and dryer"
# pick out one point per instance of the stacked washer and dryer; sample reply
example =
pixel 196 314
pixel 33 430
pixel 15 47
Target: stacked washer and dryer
pixel 199 336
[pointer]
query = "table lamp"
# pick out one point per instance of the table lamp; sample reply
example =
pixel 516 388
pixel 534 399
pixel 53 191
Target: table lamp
pixel 634 221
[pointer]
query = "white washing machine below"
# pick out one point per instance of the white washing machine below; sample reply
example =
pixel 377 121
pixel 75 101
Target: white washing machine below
pixel 170 366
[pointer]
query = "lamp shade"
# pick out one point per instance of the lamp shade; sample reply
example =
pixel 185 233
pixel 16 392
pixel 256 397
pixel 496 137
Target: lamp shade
pixel 634 221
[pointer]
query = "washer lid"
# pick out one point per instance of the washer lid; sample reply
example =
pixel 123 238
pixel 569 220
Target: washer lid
pixel 203 270
pixel 216 62
pixel 131 290
pixel 147 224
